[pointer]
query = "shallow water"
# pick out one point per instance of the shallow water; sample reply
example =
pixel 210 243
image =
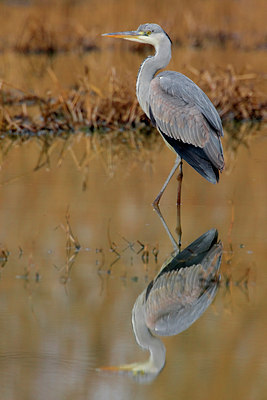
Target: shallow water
pixel 39 73
pixel 66 310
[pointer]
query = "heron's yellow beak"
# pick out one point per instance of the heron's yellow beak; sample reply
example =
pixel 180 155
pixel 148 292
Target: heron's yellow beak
pixel 135 36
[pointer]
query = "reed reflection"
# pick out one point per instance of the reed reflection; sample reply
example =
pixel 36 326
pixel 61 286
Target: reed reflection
pixel 179 294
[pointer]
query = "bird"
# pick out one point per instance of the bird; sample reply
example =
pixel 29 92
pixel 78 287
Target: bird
pixel 182 290
pixel 182 113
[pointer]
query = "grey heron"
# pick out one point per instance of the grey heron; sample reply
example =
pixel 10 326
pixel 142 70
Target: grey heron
pixel 179 294
pixel 180 110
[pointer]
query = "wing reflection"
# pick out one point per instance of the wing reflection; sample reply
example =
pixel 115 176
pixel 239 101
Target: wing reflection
pixel 179 294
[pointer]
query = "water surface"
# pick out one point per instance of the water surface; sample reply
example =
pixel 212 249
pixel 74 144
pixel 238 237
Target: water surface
pixel 74 261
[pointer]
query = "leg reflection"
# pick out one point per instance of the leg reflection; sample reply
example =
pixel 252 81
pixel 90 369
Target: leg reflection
pixel 178 229
pixel 176 246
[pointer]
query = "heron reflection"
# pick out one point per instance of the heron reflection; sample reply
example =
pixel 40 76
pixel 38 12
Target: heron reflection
pixel 179 294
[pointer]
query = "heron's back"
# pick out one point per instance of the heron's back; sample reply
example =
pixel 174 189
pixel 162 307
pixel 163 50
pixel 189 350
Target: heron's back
pixel 188 122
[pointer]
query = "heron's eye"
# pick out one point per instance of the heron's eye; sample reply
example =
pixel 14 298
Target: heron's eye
pixel 148 33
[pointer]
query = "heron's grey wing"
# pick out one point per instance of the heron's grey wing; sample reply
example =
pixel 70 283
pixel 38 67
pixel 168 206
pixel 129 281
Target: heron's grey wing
pixel 190 92
pixel 180 91
pixel 179 297
pixel 175 117
pixel 183 113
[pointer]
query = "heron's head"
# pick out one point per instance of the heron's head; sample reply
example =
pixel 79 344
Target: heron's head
pixel 146 33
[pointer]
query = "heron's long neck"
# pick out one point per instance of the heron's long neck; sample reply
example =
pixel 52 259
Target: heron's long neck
pixel 148 69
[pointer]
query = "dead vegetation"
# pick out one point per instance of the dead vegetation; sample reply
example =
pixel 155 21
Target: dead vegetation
pixel 63 25
pixel 233 93
pixel 86 108
pixel 83 107
pixel 37 36
pixel 59 26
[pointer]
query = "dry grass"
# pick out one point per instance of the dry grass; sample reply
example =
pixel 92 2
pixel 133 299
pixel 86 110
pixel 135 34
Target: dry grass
pixel 63 25
pixel 86 108
pixel 66 26
pixel 233 93
pixel 82 107
pixel 39 37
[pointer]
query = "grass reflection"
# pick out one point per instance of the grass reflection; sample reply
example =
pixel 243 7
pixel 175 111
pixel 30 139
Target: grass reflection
pixel 83 149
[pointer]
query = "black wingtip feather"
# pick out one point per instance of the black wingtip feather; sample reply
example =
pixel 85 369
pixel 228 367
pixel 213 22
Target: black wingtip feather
pixel 196 157
pixel 192 254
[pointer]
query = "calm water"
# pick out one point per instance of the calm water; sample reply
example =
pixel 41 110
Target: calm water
pixel 74 261
pixel 64 312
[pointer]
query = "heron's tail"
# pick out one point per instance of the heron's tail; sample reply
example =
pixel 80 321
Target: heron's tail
pixel 203 160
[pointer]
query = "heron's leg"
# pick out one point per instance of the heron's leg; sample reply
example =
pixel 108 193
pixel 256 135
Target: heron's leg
pixel 179 179
pixel 174 168
pixel 179 196
pixel 174 243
